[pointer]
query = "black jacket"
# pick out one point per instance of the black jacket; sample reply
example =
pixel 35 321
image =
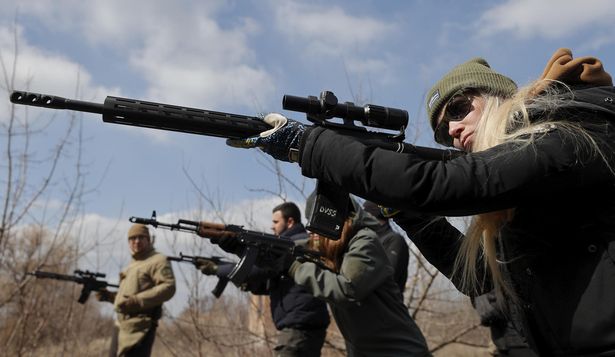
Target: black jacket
pixel 291 304
pixel 504 335
pixel 559 248
pixel 396 248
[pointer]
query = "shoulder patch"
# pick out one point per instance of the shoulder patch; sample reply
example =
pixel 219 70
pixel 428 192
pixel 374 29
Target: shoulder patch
pixel 167 272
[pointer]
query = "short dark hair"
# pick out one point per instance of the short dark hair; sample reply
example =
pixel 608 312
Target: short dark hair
pixel 289 210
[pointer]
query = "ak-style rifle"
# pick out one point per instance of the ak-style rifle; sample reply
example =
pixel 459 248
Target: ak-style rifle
pixel 258 248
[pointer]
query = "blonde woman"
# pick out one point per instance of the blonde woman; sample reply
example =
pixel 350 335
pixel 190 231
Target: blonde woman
pixel 536 168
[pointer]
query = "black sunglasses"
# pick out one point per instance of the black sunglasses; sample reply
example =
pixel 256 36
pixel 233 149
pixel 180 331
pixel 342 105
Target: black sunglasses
pixel 455 109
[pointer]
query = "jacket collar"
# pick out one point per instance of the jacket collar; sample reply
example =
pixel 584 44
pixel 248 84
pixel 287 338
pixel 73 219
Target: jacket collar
pixel 144 255
pixel 297 228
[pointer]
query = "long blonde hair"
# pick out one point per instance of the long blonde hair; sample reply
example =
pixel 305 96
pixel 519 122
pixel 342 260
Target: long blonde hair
pixel 509 121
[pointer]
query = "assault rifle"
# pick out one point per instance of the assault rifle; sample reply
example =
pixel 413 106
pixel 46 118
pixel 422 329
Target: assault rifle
pixel 258 248
pixel 86 278
pixel 319 110
pixel 197 260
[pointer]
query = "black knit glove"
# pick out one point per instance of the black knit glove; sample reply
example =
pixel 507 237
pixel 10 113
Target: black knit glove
pixel 281 142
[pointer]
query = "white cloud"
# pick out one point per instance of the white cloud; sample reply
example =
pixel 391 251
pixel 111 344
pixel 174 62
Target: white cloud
pixel 328 30
pixel 183 55
pixel 551 19
pixel 180 50
pixel 381 69
pixel 44 71
pixel 192 60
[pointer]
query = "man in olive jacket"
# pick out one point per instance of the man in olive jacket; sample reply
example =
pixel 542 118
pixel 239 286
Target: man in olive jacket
pixel 145 285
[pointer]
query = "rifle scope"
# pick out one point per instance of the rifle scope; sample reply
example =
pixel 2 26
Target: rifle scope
pixel 89 273
pixel 326 106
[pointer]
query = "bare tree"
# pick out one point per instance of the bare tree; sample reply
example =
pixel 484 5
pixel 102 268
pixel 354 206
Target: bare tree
pixel 41 195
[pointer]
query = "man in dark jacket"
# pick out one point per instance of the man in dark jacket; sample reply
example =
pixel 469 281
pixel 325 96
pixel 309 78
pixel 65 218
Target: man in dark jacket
pixel 394 245
pixel 300 318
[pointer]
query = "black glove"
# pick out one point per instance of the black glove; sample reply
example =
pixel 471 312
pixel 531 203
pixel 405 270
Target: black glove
pixel 281 142
pixel 487 309
pixel 230 245
pixel 228 241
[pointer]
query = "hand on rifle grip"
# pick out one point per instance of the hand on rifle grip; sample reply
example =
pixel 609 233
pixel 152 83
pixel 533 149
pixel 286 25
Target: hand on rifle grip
pixel 278 141
pixel 212 230
pixel 105 295
pixel 215 232
pixel 207 267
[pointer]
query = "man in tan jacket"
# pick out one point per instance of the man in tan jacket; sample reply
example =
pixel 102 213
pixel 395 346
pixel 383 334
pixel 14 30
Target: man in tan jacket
pixel 145 285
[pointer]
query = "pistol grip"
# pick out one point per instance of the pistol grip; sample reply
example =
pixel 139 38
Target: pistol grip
pixel 219 288
pixel 85 294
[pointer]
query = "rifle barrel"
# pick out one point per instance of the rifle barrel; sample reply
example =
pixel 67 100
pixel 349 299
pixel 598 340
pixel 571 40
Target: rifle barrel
pixel 160 116
pixel 55 102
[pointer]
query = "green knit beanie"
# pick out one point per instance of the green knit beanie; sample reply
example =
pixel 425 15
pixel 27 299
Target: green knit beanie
pixel 475 73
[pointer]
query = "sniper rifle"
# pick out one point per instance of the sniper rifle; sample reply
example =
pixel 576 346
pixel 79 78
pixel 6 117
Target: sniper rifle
pixel 332 202
pixel 88 279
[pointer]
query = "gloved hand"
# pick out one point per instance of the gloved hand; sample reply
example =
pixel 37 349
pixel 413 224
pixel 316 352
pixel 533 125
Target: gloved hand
pixel 229 244
pixel 281 142
pixel 130 305
pixel 226 240
pixel 487 309
pixel 583 70
pixel 207 267
pixel 105 295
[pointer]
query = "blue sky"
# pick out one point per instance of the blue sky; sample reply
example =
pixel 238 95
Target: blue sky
pixel 242 57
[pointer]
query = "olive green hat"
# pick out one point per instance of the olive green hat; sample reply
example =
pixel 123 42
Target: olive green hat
pixel 475 73
pixel 138 229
